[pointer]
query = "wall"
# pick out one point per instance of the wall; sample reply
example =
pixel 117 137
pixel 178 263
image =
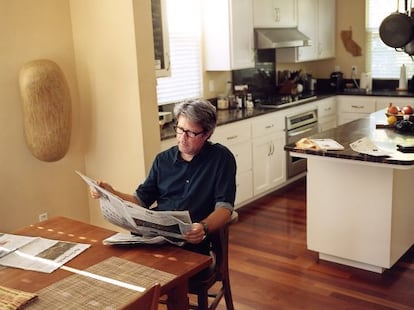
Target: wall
pixel 115 69
pixel 31 30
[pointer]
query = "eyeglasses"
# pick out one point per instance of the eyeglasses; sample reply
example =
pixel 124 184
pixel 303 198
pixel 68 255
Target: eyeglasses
pixel 189 133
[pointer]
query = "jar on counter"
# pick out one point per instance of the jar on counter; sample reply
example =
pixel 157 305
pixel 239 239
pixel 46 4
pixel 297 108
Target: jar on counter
pixel 222 102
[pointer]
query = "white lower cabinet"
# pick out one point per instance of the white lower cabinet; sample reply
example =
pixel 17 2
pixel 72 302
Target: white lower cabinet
pixel 237 138
pixel 327 113
pixel 269 160
pixel 354 107
pixel 383 102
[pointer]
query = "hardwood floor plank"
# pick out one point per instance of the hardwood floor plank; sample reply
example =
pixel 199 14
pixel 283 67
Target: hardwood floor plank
pixel 271 268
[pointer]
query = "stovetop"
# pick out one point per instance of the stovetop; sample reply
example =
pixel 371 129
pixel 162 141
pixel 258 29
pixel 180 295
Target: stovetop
pixel 280 101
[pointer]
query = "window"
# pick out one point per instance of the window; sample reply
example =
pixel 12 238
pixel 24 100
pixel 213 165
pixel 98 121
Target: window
pixel 184 30
pixel 383 61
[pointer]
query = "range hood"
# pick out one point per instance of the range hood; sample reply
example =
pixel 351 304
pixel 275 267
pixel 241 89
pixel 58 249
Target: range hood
pixel 280 38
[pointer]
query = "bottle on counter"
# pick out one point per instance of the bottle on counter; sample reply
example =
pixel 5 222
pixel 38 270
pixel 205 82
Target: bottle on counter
pixel 249 101
pixel 240 92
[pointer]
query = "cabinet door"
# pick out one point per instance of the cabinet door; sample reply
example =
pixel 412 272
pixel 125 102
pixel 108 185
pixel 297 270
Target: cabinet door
pixel 228 34
pixel 326 29
pixel 244 187
pixel 383 102
pixel 308 24
pixel 242 46
pixel 274 13
pixel 268 163
pixel 326 107
pixel 354 107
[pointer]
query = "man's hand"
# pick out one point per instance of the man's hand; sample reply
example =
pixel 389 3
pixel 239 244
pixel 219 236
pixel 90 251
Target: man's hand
pixel 196 234
pixel 95 194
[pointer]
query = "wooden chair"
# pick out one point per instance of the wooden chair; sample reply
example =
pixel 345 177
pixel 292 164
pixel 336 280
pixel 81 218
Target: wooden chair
pixel 203 282
pixel 148 300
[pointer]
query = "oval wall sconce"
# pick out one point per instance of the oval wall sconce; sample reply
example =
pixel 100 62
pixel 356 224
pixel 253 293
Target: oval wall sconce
pixel 47 111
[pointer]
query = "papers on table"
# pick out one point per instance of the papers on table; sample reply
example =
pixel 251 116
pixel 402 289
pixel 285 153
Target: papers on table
pixel 328 144
pixel 36 253
pixel 366 146
pixel 319 144
pixel 149 226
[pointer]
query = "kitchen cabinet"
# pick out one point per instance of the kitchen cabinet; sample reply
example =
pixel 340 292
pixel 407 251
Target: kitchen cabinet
pixel 354 107
pixel 274 13
pixel 160 35
pixel 228 34
pixel 269 158
pixel 383 102
pixel 326 113
pixel 237 138
pixel 316 19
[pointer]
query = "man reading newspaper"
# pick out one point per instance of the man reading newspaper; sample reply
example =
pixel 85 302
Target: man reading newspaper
pixel 195 175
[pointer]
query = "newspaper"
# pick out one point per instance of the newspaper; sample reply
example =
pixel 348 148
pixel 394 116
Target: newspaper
pixel 146 226
pixel 36 253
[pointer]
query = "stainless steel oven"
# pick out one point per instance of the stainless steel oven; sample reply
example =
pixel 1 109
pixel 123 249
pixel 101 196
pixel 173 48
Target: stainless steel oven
pixel 298 126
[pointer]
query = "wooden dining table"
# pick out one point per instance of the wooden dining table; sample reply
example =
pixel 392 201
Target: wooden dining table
pixel 182 264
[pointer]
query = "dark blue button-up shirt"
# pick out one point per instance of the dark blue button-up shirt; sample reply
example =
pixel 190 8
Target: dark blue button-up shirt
pixel 199 186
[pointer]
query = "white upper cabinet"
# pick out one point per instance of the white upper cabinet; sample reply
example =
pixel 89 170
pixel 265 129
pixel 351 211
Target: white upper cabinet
pixel 274 13
pixel 326 29
pixel 228 34
pixel 316 19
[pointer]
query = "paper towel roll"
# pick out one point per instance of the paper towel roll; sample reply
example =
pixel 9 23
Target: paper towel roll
pixel 403 78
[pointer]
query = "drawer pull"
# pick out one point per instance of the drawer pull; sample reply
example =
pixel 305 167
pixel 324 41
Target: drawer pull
pixel 232 137
pixel 357 106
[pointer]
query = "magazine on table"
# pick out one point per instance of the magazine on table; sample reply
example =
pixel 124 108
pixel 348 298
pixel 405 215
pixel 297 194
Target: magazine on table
pixel 145 225
pixel 36 253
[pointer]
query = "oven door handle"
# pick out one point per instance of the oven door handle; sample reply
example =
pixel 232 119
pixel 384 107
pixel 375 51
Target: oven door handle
pixel 294 133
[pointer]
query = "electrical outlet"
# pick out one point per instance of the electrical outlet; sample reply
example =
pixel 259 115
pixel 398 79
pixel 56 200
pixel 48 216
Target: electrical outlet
pixel 354 70
pixel 43 217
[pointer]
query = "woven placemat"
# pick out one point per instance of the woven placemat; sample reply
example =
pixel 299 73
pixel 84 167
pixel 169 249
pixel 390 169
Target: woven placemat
pixel 82 292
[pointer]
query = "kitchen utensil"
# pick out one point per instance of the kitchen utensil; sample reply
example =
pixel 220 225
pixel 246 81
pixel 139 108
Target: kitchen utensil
pixel 397 29
pixel 337 80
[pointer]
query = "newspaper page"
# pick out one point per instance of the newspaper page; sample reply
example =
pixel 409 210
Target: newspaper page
pixel 146 226
pixel 36 253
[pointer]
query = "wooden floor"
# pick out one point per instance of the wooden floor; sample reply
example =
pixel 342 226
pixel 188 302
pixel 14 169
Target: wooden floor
pixel 270 267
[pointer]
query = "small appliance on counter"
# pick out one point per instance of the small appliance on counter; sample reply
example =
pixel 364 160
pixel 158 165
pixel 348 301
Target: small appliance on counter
pixel 337 80
pixel 165 117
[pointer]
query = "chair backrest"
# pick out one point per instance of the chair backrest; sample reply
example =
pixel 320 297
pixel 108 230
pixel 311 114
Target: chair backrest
pixel 220 248
pixel 148 300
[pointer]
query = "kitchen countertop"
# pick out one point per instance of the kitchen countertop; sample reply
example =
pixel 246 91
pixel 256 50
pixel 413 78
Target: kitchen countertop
pixel 385 138
pixel 234 115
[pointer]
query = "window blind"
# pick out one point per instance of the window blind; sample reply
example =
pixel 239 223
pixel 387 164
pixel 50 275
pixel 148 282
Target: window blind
pixel 184 28
pixel 383 61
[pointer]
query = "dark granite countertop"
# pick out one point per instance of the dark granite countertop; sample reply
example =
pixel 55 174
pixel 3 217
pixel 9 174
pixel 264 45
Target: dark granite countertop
pixel 385 138
pixel 230 116
pixel 234 115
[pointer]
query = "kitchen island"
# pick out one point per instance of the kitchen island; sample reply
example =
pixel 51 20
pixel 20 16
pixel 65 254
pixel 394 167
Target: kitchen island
pixel 360 208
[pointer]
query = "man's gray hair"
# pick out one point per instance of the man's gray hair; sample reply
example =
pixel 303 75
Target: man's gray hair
pixel 201 112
